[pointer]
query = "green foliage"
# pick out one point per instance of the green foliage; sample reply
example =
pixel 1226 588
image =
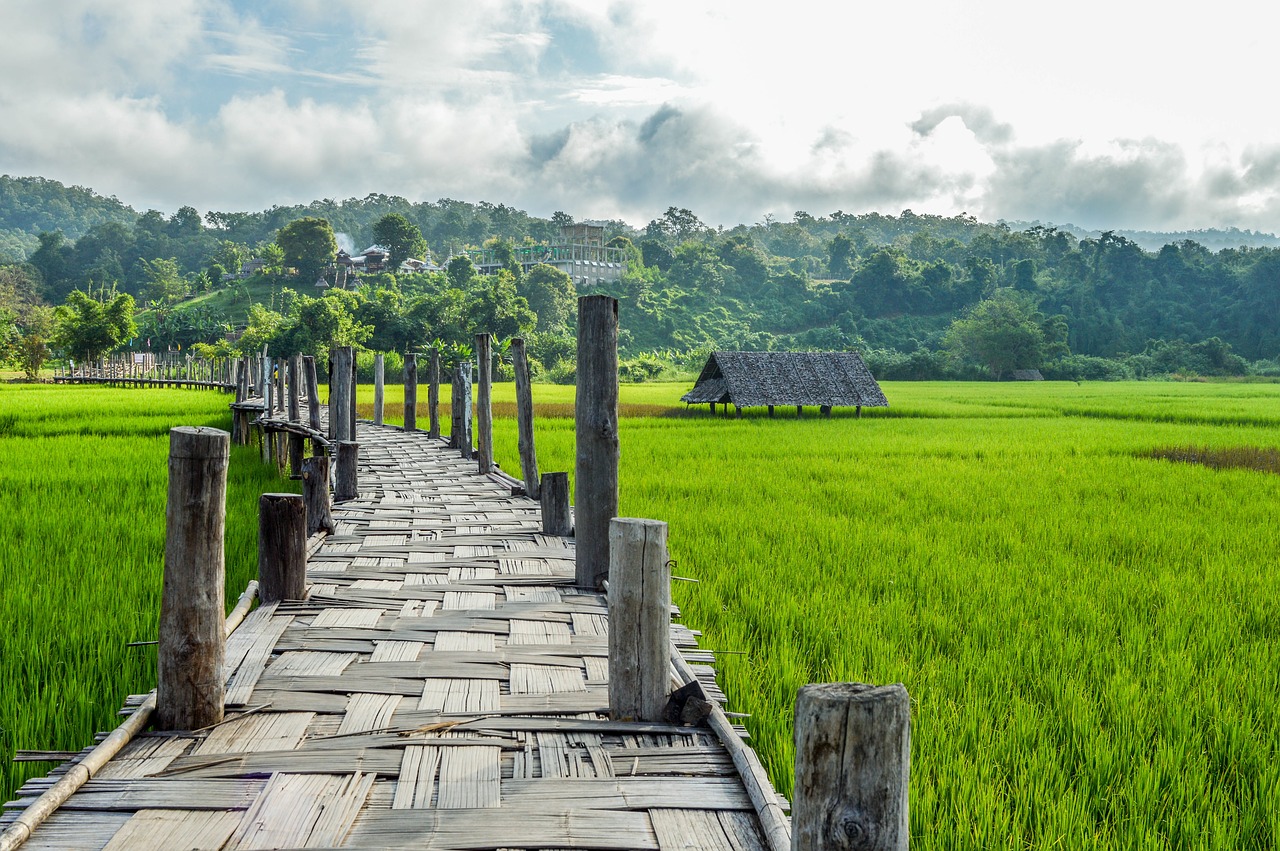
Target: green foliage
pixel 87 327
pixel 550 295
pixel 308 245
pixel 165 283
pixel 399 236
pixel 1003 333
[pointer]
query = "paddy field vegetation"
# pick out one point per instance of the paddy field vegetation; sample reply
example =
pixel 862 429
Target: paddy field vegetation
pixel 1076 583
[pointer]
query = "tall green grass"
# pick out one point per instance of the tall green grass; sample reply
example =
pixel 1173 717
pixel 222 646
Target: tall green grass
pixel 1089 637
pixel 83 479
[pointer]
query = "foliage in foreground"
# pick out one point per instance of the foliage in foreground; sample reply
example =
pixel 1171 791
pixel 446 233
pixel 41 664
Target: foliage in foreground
pixel 83 479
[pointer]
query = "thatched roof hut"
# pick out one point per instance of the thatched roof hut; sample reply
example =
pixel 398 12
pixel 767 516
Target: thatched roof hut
pixel 821 379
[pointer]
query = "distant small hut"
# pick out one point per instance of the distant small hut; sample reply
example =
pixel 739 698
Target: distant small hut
pixel 816 379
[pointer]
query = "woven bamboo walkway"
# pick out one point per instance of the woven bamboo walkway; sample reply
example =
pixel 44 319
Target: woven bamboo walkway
pixel 443 687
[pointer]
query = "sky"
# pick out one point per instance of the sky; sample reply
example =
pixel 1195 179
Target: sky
pixel 1119 114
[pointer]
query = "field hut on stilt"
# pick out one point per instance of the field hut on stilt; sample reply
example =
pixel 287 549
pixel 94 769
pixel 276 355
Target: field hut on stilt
pixel 817 379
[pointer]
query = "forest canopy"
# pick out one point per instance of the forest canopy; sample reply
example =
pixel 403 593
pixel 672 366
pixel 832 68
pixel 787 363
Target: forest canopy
pixel 921 296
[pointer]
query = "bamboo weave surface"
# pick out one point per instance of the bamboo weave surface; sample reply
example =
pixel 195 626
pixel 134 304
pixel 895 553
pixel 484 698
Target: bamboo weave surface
pixel 444 686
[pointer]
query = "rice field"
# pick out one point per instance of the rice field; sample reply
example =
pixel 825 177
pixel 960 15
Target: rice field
pixel 1088 633
pixel 83 478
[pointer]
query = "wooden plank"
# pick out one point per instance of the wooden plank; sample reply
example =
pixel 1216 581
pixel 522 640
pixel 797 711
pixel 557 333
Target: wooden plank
pixel 165 830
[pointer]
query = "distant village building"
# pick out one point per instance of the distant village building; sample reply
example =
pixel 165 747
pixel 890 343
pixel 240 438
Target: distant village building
pixel 580 253
pixel 819 379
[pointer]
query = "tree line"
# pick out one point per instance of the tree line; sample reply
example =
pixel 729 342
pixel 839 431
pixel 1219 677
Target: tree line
pixel 921 296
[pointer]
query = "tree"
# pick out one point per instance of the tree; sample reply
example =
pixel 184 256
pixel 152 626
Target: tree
pixel 461 271
pixel 1002 333
pixel 33 345
pixel 550 294
pixel 87 327
pixel 308 245
pixel 399 236
pixel 165 283
pixel 839 251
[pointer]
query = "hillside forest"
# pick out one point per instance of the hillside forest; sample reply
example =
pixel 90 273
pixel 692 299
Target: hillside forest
pixel 920 296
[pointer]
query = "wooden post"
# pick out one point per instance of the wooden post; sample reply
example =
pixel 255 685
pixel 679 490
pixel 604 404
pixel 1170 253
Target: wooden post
pixel 340 397
pixel 355 394
pixel 346 485
pixel 378 389
pixel 295 390
pixel 433 394
pixel 771 410
pixel 484 402
pixel 281 369
pixel 410 392
pixel 464 410
pixel 639 619
pixel 799 411
pixel 282 547
pixel 596 431
pixel 315 494
pixel 554 494
pixel 825 410
pixel 524 419
pixel 857 413
pixel 313 399
pixel 853 763
pixel 456 407
pixel 191 689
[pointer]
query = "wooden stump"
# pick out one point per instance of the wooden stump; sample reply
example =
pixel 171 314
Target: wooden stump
pixel 191 689
pixel 853 763
pixel 484 402
pixel 282 547
pixel 596 429
pixel 410 392
pixel 346 485
pixel 524 419
pixel 639 620
pixel 297 450
pixel 554 494
pixel 315 493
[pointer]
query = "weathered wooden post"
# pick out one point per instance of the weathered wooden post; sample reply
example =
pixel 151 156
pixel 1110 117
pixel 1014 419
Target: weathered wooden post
pixel 524 419
pixel 313 400
pixel 853 764
pixel 640 619
pixel 340 396
pixel 378 388
pixel 282 547
pixel 191 689
pixel 410 392
pixel 315 494
pixel 433 394
pixel 346 485
pixel 553 492
pixel 484 402
pixel 355 395
pixel 297 444
pixel 456 407
pixel 596 435
pixel 464 410
pixel 281 370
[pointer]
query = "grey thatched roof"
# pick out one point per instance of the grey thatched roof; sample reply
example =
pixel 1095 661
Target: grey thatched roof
pixel 787 378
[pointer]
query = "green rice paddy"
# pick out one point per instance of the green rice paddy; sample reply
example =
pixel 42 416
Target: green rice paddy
pixel 1088 633
pixel 83 479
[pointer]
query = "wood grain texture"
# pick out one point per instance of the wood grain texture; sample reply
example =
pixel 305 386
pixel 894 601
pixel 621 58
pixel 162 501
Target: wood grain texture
pixel 595 478
pixel 524 420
